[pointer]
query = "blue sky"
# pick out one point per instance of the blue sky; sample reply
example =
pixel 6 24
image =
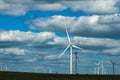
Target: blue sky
pixel 32 34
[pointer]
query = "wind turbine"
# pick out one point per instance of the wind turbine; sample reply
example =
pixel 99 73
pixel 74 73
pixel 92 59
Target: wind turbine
pixel 70 46
pixel 97 68
pixel 103 68
pixel 50 70
pixel 113 65
pixel 100 69
pixel 6 67
pixel 76 61
pixel 1 68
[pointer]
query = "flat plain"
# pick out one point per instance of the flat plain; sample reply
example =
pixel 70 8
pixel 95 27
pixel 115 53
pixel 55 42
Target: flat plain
pixel 6 75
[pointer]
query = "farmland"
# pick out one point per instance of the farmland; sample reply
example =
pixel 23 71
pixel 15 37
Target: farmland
pixel 5 75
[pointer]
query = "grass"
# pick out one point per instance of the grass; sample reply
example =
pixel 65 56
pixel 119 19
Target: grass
pixel 5 75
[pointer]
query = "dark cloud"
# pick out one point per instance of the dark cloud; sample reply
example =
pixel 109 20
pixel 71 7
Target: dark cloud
pixel 11 59
pixel 94 47
pixel 114 34
pixel 7 44
pixel 117 3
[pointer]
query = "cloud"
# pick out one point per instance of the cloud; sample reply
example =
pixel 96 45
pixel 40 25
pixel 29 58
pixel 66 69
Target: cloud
pixel 50 41
pixel 47 1
pixel 18 8
pixel 51 57
pixel 15 51
pixel 6 44
pixel 86 26
pixel 110 19
pixel 58 41
pixel 50 7
pixel 12 8
pixel 31 60
pixel 25 36
pixel 21 39
pixel 95 6
pixel 18 39
pixel 96 43
pixel 52 1
pixel 25 40
pixel 112 51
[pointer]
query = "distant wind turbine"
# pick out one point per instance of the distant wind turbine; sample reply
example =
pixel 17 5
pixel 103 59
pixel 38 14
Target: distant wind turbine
pixel 6 67
pixel 70 46
pixel 103 68
pixel 97 68
pixel 113 65
pixel 76 61
pixel 100 69
pixel 1 68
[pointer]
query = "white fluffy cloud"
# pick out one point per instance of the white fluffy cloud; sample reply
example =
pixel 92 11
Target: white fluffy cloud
pixel 25 36
pixel 13 7
pixel 94 6
pixel 51 7
pixel 89 26
pixel 16 8
pixel 113 51
pixel 58 41
pixel 51 57
pixel 84 41
pixel 110 19
pixel 15 51
pixel 31 60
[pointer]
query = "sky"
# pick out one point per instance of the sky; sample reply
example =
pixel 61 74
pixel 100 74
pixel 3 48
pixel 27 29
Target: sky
pixel 32 35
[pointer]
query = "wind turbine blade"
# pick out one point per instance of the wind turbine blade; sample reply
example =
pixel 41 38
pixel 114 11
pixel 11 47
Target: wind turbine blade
pixel 99 63
pixel 64 51
pixel 68 35
pixel 77 47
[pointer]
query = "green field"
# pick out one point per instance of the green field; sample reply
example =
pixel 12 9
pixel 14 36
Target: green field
pixel 39 76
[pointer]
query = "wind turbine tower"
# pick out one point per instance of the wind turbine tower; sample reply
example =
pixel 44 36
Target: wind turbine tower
pixel 76 62
pixel 70 46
